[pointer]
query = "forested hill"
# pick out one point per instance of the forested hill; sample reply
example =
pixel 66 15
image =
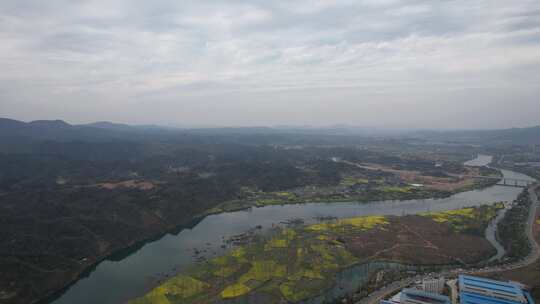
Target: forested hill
pixel 58 130
pixel 514 136
pixel 29 137
pixel 45 136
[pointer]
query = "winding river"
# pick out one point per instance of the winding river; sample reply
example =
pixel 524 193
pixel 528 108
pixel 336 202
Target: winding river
pixel 117 280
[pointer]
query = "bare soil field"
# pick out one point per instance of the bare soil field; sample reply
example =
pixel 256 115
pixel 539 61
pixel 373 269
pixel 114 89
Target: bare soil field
pixel 451 183
pixel 419 240
pixel 295 264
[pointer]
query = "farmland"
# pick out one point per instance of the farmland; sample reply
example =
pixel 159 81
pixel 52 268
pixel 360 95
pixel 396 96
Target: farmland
pixel 69 206
pixel 296 263
pixel 369 183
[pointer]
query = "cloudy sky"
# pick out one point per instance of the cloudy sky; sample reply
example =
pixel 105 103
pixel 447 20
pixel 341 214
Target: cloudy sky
pixel 384 63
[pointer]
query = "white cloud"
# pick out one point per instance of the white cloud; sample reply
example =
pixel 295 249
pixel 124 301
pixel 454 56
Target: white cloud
pixel 104 55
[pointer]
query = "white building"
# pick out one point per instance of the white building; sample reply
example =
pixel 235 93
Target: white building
pixel 433 285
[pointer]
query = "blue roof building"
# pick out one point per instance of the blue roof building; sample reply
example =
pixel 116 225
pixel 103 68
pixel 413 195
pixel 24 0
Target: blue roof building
pixel 475 290
pixel 414 296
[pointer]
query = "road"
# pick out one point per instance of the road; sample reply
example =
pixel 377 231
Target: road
pixel 377 296
pixel 534 255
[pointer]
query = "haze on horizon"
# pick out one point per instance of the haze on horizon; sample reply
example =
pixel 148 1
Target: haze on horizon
pixel 382 63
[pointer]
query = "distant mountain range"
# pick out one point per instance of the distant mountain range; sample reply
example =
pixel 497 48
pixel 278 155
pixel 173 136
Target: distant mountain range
pixel 516 136
pixel 57 130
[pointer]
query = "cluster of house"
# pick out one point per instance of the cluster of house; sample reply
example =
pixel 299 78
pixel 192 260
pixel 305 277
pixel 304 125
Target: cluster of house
pixel 465 290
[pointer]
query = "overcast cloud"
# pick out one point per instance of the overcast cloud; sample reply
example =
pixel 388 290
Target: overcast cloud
pixel 417 64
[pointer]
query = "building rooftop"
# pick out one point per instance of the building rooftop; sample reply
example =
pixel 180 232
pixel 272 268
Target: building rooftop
pixel 424 297
pixel 497 286
pixel 472 298
pixel 476 290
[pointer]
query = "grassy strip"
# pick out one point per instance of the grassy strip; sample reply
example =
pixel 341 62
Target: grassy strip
pixel 380 193
pixel 291 264
pixel 460 219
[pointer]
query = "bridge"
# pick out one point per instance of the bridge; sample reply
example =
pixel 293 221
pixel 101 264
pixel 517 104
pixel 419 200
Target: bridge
pixel 509 182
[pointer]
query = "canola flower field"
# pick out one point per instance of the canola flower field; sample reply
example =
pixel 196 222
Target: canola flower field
pixel 291 264
pixel 465 219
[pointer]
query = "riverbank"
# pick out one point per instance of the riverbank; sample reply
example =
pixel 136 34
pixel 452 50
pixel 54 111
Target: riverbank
pixel 171 254
pixel 137 244
pixel 116 254
pixel 375 183
pixel 297 263
pixel 403 193
pixel 529 271
pixel 528 265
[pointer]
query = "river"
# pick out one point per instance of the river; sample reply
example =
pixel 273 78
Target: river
pixel 116 281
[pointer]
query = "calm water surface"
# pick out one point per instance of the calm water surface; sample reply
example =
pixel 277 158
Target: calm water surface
pixel 114 282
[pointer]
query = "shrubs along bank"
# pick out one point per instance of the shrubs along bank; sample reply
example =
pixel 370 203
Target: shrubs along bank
pixel 297 263
pixel 511 229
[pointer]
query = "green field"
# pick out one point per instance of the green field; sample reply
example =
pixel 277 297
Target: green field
pixel 293 264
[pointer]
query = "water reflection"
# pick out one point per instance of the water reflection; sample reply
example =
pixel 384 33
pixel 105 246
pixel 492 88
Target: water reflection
pixel 115 282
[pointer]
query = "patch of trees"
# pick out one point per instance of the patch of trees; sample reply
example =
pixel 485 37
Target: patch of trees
pixel 511 229
pixel 53 216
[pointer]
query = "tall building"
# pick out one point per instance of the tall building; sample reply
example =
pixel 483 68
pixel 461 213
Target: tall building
pixel 433 285
pixel 415 296
pixel 475 290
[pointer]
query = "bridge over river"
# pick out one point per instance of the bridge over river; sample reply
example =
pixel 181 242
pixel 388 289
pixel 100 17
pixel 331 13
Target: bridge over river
pixel 506 181
pixel 130 275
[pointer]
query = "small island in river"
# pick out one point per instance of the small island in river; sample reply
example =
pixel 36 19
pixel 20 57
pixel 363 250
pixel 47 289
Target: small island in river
pixel 300 262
